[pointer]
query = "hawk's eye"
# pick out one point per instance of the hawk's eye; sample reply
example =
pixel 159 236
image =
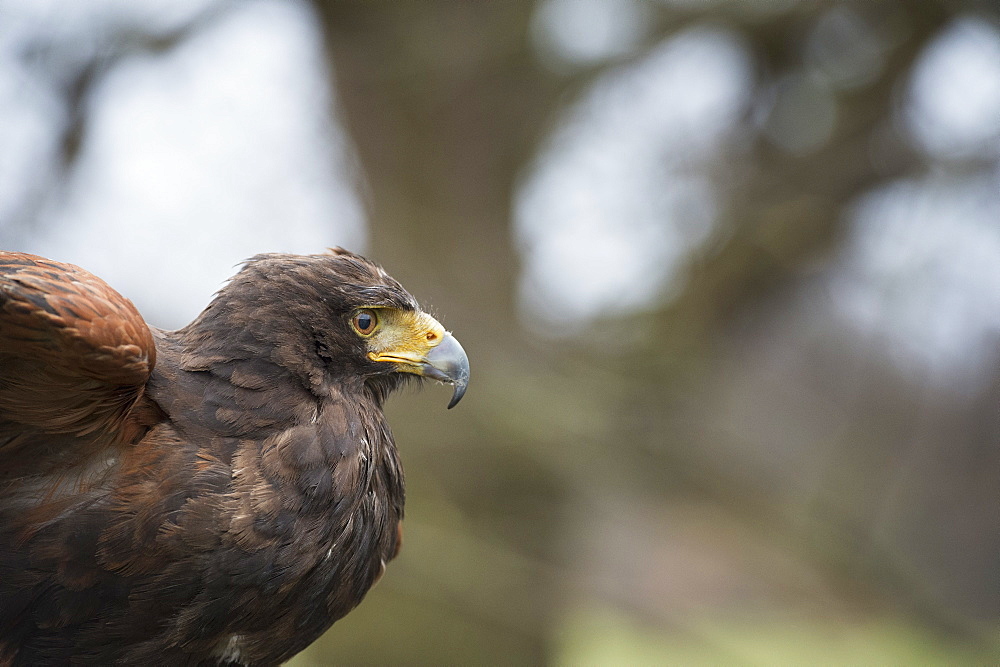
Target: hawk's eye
pixel 364 322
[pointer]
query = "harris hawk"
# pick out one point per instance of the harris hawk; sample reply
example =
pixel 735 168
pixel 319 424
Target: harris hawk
pixel 215 495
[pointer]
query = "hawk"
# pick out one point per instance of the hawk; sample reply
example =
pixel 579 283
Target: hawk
pixel 215 495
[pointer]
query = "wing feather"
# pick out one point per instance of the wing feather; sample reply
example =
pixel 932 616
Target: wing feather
pixel 74 358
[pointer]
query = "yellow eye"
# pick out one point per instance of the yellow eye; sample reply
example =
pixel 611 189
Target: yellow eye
pixel 364 322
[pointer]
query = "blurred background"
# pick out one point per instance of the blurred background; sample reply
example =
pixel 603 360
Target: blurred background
pixel 728 274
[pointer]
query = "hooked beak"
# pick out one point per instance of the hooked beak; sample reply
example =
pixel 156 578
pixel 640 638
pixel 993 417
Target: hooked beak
pixel 414 342
pixel 448 362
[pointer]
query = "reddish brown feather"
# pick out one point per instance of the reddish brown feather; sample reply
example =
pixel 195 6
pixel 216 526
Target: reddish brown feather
pixel 74 353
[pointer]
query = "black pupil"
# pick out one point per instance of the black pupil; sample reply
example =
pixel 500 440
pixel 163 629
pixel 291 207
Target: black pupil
pixel 364 321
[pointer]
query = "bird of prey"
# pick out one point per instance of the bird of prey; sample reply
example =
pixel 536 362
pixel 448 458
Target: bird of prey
pixel 215 495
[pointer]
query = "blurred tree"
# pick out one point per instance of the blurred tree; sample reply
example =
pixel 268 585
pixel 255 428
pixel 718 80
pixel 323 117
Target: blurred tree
pixel 446 104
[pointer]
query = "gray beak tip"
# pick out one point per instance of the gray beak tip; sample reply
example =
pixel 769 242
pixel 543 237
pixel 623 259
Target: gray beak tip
pixel 459 393
pixel 448 362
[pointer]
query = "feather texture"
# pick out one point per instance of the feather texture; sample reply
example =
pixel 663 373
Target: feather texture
pixel 220 494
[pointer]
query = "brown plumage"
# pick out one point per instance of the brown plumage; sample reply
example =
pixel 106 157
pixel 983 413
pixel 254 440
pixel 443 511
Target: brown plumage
pixel 220 494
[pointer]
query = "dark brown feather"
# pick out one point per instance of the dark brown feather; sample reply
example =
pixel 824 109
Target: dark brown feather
pixel 223 506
